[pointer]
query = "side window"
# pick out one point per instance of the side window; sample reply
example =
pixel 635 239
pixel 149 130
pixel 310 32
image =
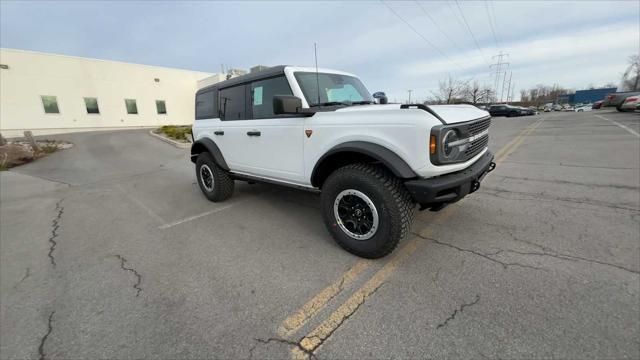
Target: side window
pixel 205 105
pixel 262 93
pixel 232 103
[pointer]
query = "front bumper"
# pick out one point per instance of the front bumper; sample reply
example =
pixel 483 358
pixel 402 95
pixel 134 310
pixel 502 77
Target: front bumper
pixel 436 192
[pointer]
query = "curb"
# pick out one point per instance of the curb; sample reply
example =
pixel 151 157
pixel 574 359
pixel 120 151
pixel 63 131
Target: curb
pixel 179 145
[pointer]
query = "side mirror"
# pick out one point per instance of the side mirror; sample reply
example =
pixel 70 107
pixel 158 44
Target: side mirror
pixel 381 97
pixel 285 104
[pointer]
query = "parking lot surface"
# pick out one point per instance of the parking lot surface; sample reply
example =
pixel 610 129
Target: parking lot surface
pixel 109 250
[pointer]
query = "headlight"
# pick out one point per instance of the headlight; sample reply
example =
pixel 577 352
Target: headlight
pixel 450 149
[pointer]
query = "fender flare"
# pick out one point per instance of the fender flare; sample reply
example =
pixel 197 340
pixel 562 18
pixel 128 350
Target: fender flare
pixel 388 158
pixel 210 146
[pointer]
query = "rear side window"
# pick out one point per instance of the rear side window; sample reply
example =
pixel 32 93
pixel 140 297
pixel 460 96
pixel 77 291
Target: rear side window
pixel 206 104
pixel 232 103
pixel 262 93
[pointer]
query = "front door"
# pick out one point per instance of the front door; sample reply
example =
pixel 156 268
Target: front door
pixel 264 144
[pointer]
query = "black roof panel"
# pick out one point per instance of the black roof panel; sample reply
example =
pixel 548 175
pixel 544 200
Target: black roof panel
pixel 262 74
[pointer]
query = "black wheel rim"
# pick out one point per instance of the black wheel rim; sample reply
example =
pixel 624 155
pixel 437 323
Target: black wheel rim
pixel 356 214
pixel 206 176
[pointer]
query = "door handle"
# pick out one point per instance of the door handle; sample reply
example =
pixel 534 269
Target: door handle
pixel 253 133
pixel 218 132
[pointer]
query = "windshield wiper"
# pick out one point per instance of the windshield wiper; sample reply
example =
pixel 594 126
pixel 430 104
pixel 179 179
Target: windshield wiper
pixel 329 103
pixel 363 102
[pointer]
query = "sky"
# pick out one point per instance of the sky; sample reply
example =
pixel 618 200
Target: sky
pixel 393 46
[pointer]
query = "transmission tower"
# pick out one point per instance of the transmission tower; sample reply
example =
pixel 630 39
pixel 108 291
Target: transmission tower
pixel 500 67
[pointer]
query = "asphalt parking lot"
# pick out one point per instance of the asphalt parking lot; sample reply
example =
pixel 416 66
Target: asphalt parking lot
pixel 109 250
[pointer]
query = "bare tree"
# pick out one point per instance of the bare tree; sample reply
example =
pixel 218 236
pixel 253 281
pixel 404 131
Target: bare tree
pixel 475 93
pixel 449 91
pixel 631 76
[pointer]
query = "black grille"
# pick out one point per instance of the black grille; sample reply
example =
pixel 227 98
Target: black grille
pixel 479 126
pixel 476 146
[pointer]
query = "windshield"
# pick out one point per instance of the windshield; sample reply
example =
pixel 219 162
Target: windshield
pixel 335 89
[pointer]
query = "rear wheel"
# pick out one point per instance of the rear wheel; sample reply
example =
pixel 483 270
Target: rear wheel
pixel 366 209
pixel 215 184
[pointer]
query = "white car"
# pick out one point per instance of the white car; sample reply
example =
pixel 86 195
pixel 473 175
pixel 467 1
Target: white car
pixel 320 130
pixel 582 108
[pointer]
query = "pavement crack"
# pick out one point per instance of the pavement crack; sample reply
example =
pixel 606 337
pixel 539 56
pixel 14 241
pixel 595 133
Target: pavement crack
pixel 487 256
pixel 509 195
pixel 41 352
pixel 55 225
pixel 136 286
pixel 573 183
pixel 570 257
pixel 259 341
pixel 311 346
pixel 26 275
pixel 458 311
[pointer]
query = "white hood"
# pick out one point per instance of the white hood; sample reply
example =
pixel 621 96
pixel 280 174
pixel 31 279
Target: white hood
pixel 449 113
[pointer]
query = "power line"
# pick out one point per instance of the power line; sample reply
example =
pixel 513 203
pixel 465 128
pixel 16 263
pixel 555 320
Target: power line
pixel 493 30
pixel 437 26
pixel 470 31
pixel 495 23
pixel 420 35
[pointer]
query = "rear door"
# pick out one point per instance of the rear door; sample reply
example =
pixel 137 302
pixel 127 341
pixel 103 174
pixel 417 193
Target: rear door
pixel 207 123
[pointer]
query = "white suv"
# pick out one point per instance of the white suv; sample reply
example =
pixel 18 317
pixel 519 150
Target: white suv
pixel 322 131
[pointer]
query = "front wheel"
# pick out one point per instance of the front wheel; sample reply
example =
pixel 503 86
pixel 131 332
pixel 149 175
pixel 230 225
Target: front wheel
pixel 366 209
pixel 215 184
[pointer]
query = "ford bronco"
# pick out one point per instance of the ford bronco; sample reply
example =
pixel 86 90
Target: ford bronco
pixel 321 130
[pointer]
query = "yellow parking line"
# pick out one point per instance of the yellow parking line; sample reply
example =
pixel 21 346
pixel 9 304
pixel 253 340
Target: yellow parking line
pixel 317 336
pixel 311 341
pixel 508 149
pixel 294 322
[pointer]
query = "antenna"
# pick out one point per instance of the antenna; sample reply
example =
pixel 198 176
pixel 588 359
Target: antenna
pixel 315 53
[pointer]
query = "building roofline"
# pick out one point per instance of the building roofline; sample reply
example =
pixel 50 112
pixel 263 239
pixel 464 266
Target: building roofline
pixel 103 60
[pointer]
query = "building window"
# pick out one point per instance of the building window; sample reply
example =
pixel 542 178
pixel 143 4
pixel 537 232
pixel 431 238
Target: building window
pixel 161 107
pixel 92 105
pixel 50 104
pixel 132 107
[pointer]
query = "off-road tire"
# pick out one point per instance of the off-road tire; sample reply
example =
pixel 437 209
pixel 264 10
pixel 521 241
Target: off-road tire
pixel 391 199
pixel 223 184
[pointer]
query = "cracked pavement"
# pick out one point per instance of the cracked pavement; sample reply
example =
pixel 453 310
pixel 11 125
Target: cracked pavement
pixel 542 262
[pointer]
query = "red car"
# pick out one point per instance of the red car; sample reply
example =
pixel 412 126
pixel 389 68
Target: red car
pixel 597 104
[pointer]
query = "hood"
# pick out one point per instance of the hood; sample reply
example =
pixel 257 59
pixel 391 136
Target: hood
pixel 449 113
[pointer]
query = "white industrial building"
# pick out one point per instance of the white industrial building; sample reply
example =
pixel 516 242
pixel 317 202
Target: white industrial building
pixel 48 93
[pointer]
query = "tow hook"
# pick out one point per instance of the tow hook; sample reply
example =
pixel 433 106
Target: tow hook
pixel 475 185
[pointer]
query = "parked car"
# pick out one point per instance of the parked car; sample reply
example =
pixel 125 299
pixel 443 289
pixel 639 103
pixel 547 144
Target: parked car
pixel 556 107
pixel 630 103
pixel 597 104
pixel 567 107
pixel 616 99
pixel 527 111
pixel 312 130
pixel 505 110
pixel 583 108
